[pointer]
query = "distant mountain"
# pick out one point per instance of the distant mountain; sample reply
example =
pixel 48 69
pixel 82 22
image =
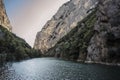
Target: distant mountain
pixel 95 38
pixel 62 23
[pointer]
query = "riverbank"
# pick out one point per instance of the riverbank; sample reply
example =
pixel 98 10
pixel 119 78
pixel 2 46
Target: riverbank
pixel 102 63
pixel 86 62
pixel 93 62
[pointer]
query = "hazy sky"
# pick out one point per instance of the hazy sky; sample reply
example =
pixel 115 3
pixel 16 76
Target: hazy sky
pixel 27 17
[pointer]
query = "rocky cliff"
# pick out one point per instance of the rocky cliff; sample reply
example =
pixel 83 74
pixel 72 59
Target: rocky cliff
pixel 73 46
pixel 4 21
pixel 95 39
pixel 104 46
pixel 63 22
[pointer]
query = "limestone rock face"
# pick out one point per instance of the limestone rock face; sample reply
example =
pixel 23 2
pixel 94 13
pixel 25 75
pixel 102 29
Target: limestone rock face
pixel 63 22
pixel 105 44
pixel 4 21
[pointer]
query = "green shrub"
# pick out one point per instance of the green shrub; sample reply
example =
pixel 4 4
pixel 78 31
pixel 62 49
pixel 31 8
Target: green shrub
pixel 16 48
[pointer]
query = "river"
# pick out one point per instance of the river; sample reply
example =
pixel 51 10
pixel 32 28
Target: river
pixel 56 69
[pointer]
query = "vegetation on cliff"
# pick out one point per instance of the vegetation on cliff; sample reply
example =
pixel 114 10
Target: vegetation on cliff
pixel 66 19
pixel 14 48
pixel 75 43
pixel 95 39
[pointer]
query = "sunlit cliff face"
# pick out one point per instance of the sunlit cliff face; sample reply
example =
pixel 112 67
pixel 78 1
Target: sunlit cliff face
pixel 29 16
pixel 4 21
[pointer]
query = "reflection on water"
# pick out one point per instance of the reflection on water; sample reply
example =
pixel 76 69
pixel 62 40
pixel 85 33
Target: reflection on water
pixel 54 69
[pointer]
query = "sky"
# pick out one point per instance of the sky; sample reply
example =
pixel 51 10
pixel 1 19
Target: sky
pixel 27 17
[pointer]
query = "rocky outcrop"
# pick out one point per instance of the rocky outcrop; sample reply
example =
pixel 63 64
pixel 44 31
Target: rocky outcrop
pixel 73 46
pixel 95 39
pixel 104 46
pixel 4 21
pixel 63 22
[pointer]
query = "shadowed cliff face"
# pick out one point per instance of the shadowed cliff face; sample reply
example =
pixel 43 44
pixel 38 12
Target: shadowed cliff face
pixel 4 21
pixel 105 44
pixel 62 22
pixel 95 39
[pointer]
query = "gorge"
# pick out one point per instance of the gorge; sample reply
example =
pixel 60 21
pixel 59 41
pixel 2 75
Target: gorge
pixel 83 30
